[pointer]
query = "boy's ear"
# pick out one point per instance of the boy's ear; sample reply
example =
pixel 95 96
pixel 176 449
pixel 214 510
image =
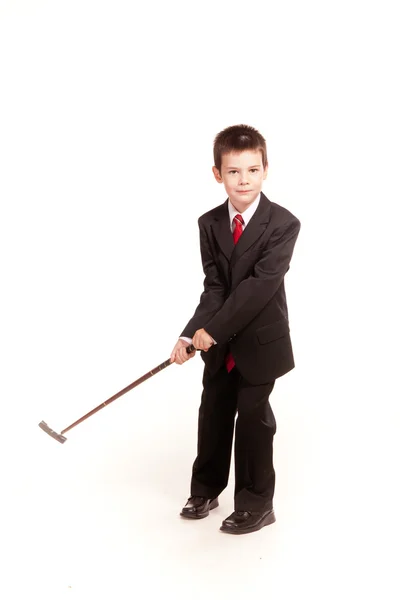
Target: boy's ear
pixel 217 174
pixel 265 171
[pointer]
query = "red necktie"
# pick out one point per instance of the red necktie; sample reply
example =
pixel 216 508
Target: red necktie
pixel 237 232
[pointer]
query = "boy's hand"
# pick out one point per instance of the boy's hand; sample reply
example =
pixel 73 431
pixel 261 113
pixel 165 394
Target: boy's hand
pixel 179 354
pixel 202 340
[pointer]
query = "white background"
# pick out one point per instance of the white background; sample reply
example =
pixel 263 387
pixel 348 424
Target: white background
pixel 108 111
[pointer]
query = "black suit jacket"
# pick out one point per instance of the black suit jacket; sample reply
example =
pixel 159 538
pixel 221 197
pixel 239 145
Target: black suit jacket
pixel 243 305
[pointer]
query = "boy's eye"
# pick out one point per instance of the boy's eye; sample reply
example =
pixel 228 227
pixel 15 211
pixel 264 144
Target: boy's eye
pixel 233 171
pixel 254 170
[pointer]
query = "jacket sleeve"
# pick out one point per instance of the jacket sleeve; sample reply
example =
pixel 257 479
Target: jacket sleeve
pixel 254 293
pixel 215 292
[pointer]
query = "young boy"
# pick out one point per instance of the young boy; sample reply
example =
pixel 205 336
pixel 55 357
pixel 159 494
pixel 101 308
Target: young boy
pixel 241 326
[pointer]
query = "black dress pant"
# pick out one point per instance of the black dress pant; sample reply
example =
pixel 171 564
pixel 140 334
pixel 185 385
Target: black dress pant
pixel 224 396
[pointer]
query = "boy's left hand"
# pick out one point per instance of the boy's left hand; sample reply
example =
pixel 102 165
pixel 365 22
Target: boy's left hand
pixel 202 340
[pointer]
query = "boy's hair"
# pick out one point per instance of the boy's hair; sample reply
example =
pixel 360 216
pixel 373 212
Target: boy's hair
pixel 236 139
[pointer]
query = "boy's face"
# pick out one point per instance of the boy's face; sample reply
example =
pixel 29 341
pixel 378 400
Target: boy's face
pixel 242 174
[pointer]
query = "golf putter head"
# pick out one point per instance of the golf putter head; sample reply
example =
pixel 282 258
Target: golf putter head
pixel 57 436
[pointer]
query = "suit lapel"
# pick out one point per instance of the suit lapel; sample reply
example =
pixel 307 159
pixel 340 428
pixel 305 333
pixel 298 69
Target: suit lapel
pixel 222 231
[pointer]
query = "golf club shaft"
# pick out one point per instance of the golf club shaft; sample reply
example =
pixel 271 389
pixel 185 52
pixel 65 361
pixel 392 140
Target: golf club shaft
pixel 157 369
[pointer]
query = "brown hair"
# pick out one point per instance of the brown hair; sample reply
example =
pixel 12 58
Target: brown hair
pixel 236 139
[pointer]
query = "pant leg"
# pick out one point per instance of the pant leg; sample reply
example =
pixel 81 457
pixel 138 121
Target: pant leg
pixel 215 433
pixel 255 429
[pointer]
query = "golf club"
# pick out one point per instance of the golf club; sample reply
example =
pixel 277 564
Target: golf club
pixel 60 436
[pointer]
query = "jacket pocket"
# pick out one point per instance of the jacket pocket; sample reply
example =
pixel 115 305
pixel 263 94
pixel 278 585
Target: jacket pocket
pixel 272 332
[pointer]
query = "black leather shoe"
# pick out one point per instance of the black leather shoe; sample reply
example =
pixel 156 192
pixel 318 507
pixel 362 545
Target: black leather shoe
pixel 246 522
pixel 198 508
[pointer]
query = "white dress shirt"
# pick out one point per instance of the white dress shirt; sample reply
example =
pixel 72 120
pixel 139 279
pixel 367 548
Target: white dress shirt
pixel 246 216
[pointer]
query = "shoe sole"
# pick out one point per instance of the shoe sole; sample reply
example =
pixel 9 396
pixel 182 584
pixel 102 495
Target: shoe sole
pixel 202 515
pixel 267 520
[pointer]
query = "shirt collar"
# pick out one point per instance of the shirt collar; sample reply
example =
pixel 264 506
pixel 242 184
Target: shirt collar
pixel 247 214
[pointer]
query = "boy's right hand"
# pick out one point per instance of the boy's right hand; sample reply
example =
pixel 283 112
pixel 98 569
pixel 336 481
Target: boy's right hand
pixel 179 354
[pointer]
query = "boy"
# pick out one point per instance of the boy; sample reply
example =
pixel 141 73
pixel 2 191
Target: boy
pixel 241 326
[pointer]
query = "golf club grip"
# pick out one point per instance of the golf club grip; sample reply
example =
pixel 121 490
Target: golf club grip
pixel 157 369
